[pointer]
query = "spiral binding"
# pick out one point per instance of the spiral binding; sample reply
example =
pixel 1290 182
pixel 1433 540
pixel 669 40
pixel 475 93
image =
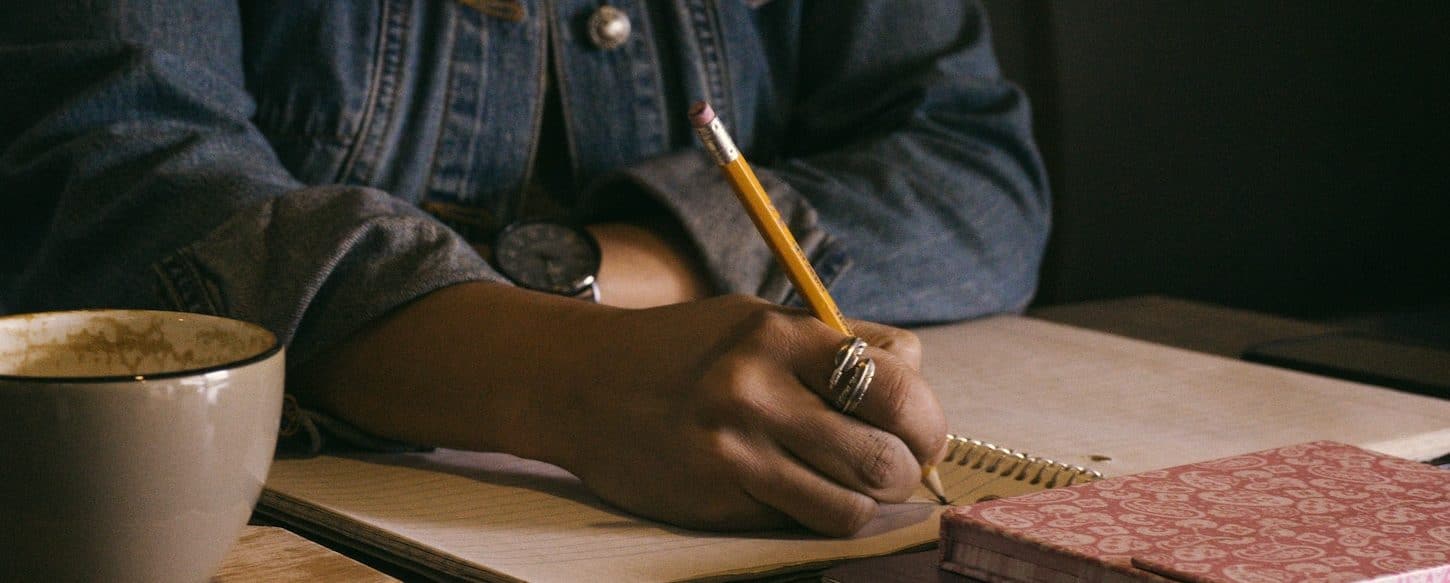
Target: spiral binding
pixel 980 455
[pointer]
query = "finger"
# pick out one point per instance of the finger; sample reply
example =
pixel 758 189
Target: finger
pixel 902 343
pixel 851 453
pixel 810 499
pixel 900 402
pixel 898 399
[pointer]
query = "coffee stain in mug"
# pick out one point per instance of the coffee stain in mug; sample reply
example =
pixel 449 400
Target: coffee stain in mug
pixel 107 346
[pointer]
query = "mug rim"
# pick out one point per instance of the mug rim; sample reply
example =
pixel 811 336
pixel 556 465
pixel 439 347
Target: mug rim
pixel 271 350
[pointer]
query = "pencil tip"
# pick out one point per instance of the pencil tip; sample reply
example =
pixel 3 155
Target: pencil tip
pixel 932 480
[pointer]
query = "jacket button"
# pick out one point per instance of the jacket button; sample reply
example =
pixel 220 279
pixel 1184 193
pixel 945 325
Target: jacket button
pixel 609 28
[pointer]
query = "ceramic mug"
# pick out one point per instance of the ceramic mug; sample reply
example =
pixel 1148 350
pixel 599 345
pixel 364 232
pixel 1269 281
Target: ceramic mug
pixel 133 443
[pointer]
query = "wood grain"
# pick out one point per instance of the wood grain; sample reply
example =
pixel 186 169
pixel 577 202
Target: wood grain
pixel 271 554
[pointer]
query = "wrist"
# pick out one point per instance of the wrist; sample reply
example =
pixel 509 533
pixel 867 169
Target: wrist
pixel 648 263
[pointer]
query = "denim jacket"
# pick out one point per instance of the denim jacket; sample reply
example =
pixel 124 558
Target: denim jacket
pixel 265 160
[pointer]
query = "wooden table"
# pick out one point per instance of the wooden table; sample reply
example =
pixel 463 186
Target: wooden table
pixel 273 554
pixel 267 553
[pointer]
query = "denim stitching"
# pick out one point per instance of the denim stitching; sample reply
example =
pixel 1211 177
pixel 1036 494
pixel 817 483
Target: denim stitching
pixel 388 87
pixel 717 38
pixel 705 45
pixel 429 185
pixel 453 158
pixel 359 139
pixel 466 182
pixel 648 86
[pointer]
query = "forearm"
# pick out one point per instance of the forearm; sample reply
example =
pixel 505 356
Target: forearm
pixel 472 366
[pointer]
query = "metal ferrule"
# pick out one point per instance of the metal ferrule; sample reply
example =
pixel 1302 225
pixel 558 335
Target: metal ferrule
pixel 718 142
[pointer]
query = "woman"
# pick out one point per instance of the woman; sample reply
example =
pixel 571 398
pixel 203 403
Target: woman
pixel 267 161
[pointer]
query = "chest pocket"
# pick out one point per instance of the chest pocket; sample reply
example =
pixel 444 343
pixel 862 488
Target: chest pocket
pixel 315 68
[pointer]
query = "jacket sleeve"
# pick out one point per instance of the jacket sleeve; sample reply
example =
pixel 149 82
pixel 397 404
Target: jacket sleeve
pixel 131 176
pixel 909 160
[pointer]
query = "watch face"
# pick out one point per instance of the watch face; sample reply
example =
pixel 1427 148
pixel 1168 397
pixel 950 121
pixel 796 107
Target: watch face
pixel 547 256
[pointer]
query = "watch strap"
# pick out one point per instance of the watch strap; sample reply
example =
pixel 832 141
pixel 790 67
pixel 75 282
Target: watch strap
pixel 590 293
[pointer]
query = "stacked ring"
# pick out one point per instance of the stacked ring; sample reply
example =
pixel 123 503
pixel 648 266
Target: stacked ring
pixel 851 390
pixel 846 357
pixel 854 392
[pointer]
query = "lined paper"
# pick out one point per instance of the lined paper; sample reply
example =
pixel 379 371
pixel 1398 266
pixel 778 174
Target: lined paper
pixel 1050 390
pixel 526 520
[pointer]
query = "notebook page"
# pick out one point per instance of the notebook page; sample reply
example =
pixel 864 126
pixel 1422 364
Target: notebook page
pixel 1078 396
pixel 531 521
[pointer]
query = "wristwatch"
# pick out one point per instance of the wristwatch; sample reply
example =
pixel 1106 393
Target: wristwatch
pixel 550 257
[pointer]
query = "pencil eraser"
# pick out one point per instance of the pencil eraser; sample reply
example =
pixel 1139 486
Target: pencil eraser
pixel 701 114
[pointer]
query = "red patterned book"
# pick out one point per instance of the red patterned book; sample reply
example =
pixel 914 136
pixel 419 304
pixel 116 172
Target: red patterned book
pixel 1320 511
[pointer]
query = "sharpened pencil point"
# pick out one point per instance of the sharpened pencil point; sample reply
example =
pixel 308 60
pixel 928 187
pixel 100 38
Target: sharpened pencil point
pixel 932 480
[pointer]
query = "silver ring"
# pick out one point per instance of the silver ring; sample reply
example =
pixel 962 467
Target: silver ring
pixel 851 395
pixel 846 357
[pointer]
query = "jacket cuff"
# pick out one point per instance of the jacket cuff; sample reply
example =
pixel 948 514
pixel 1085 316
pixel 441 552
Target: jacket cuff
pixel 692 189
pixel 316 265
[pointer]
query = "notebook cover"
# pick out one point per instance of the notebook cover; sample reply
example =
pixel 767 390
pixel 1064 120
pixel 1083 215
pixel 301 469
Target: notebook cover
pixel 1319 511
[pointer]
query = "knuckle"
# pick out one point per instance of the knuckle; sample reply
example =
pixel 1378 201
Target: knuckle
pixel 877 467
pixel 719 447
pixel 907 344
pixel 907 339
pixel 736 372
pixel 739 393
pixel 887 470
pixel 725 408
pixel 733 389
pixel 769 322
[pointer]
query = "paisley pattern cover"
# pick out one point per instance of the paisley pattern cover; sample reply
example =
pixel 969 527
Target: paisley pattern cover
pixel 1319 511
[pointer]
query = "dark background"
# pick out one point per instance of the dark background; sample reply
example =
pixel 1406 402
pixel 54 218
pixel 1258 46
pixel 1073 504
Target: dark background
pixel 1282 156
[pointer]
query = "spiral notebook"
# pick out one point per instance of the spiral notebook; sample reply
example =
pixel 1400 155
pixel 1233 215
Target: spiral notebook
pixel 1091 401
pixel 484 517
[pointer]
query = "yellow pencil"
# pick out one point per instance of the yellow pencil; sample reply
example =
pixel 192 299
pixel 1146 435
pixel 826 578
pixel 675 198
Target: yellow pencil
pixel 787 251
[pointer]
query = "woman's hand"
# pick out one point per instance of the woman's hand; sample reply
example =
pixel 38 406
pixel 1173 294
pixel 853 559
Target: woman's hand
pixel 714 414
pixel 708 414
